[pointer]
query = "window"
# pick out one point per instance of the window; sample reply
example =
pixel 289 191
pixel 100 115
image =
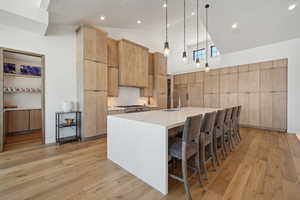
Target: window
pixel 214 51
pixel 200 53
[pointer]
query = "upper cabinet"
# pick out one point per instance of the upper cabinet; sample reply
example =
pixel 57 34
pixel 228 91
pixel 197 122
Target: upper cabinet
pixel 133 64
pixel 112 53
pixel 160 64
pixel 94 44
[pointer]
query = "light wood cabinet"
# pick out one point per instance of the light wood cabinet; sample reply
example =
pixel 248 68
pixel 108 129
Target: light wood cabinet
pixel 254 109
pixel 279 110
pixel 112 53
pixel 160 64
pixel 92 77
pixel 228 100
pixel 266 109
pixel 101 113
pixel 211 83
pixel 133 64
pixel 95 104
pixel 95 76
pixel 35 118
pixel 162 101
pixel 161 84
pixel 212 100
pixel 113 82
pixel 243 100
pixel 254 81
pixel 94 44
pixel 195 94
pixel 23 120
pixel 180 91
pixel 17 120
pixel 148 91
pixel 229 83
pixel 273 79
pixel 150 64
pixel 199 77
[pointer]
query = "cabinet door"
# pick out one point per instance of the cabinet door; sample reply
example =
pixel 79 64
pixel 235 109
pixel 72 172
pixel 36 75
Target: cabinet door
pixel 279 79
pixel 141 72
pixel 101 77
pixel 228 100
pixel 89 43
pixel 229 83
pixel 266 109
pixel 211 84
pixel 147 91
pixel 243 82
pixel 162 101
pixel 181 91
pixel 17 121
pixel 90 114
pixel 254 109
pixel 195 95
pixel 211 100
pixel 254 81
pixel 160 64
pixel 243 100
pixel 266 80
pixel 113 82
pixel 199 77
pixel 90 75
pixel 101 46
pixel 127 62
pixel 112 53
pixel 279 114
pixel 101 112
pixel 150 64
pixel 35 118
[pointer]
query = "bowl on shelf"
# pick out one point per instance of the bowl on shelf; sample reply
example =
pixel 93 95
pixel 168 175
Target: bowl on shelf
pixel 69 121
pixel 10 68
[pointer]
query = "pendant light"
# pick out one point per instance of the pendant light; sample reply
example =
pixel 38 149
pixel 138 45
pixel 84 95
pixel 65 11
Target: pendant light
pixel 166 45
pixel 206 62
pixel 184 55
pixel 197 59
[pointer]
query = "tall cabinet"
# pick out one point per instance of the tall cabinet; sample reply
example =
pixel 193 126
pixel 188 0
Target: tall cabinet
pixel 160 95
pixel 92 79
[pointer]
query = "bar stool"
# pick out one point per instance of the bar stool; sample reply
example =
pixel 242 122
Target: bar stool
pixel 185 148
pixel 227 129
pixel 234 125
pixel 219 144
pixel 206 140
pixel 238 123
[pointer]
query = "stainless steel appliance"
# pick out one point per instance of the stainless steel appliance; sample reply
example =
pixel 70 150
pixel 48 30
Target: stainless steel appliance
pixel 135 108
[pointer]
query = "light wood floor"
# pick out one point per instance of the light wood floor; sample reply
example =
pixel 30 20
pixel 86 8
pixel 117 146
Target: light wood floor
pixel 266 165
pixel 23 140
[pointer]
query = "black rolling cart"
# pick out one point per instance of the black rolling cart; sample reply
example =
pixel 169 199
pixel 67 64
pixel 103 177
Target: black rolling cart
pixel 72 121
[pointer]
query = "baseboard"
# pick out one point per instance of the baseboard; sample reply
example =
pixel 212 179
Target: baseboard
pixel 264 128
pixel 94 137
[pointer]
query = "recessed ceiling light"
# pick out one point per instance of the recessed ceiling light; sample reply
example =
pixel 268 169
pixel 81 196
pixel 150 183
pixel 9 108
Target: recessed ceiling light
pixel 292 6
pixel 139 21
pixel 234 26
pixel 102 18
pixel 164 5
pixel 168 25
pixel 193 13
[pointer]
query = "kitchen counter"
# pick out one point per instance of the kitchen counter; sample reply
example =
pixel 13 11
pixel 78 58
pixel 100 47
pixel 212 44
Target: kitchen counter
pixel 138 142
pixel 24 108
pixel 115 109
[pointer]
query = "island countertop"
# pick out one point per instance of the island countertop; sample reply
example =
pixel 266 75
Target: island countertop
pixel 167 118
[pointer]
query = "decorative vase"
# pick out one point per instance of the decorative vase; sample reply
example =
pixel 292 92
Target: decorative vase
pixel 67 106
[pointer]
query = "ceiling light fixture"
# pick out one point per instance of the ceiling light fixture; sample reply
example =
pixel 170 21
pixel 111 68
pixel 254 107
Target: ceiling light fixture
pixel 164 5
pixel 292 6
pixel 193 13
pixel 102 18
pixel 138 21
pixel 234 26
pixel 206 62
pixel 184 55
pixel 197 59
pixel 166 44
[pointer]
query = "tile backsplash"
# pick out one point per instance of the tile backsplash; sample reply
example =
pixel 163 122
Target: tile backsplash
pixel 127 96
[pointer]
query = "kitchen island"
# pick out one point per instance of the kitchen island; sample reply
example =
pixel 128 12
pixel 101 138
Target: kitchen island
pixel 138 142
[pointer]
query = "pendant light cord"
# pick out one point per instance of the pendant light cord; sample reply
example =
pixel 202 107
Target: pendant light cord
pixel 207 6
pixel 184 24
pixel 167 20
pixel 197 25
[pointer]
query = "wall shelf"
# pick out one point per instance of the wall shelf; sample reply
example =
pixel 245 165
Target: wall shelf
pixel 20 75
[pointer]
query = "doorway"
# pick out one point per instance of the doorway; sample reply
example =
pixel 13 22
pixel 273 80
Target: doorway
pixel 22 99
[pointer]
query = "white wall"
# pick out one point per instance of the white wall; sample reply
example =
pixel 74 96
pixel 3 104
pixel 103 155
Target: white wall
pixel 288 49
pixel 127 96
pixel 59 48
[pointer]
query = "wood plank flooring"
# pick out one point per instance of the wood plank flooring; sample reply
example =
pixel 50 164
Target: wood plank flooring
pixel 266 165
pixel 23 140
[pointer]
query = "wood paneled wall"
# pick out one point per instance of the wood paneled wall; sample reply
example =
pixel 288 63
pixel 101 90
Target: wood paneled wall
pixel 261 89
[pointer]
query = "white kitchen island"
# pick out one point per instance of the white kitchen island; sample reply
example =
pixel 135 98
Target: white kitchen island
pixel 138 142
